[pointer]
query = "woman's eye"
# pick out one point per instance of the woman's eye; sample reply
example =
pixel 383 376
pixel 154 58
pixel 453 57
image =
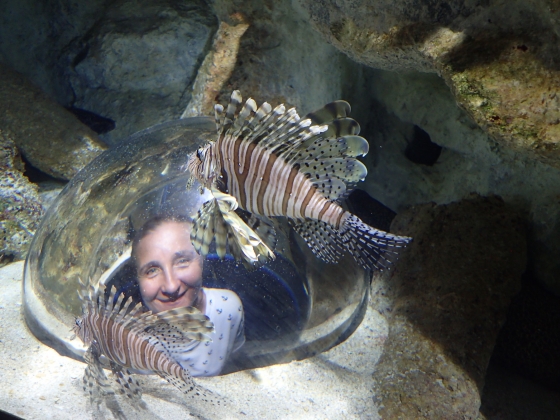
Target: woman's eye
pixel 151 272
pixel 182 262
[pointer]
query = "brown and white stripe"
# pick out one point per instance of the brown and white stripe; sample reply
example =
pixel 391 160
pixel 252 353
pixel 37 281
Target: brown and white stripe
pixel 131 338
pixel 266 184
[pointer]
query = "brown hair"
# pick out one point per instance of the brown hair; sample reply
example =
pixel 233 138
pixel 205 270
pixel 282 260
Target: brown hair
pixel 152 224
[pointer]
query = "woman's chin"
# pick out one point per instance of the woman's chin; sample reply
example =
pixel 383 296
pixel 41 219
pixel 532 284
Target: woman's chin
pixel 161 306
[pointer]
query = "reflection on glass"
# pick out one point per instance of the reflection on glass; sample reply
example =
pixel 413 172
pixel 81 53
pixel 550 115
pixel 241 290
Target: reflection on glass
pixel 125 221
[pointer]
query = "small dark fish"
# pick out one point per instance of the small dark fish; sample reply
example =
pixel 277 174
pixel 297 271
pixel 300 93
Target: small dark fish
pixel 131 338
pixel 270 162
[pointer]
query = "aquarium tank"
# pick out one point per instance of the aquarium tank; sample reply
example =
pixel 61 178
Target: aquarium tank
pixel 295 306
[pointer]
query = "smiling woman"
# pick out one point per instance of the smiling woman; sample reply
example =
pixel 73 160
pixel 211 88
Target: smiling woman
pixel 169 273
pixel 169 269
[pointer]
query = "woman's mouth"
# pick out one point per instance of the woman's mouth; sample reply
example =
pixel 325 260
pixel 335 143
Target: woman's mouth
pixel 174 297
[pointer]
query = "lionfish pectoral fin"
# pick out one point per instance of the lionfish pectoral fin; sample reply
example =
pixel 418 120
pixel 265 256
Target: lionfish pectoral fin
pixel 370 247
pixel 323 240
pixel 203 229
pixel 128 385
pixel 262 225
pixel 246 245
pixel 174 342
pixel 186 316
pixel 218 220
pixel 189 322
pixel 177 331
pixel 190 182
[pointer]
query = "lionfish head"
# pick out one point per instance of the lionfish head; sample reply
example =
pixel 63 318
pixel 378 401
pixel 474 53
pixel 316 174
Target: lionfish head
pixel 200 165
pixel 80 330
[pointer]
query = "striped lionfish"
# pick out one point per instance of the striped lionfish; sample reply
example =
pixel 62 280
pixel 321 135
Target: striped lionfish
pixel 270 162
pixel 131 338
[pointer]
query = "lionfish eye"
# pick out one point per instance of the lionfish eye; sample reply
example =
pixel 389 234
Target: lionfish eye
pixel 199 154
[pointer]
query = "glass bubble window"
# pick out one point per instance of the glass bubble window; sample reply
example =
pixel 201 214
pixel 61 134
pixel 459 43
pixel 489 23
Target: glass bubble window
pixel 294 306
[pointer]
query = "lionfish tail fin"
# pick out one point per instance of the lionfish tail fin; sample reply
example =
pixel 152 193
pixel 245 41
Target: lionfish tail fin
pixel 370 247
pixel 184 382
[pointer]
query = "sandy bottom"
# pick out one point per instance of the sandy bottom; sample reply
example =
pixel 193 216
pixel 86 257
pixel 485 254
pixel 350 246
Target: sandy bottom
pixel 38 383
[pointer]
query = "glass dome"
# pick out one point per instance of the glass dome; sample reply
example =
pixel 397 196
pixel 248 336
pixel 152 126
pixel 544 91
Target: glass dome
pixel 295 306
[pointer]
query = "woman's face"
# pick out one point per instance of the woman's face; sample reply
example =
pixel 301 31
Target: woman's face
pixel 169 269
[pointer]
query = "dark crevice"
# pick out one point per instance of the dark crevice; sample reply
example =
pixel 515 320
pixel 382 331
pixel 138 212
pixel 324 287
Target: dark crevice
pixel 35 175
pixel 421 149
pixel 97 123
pixel 529 341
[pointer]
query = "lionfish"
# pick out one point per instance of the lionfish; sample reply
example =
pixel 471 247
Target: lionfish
pixel 132 339
pixel 270 162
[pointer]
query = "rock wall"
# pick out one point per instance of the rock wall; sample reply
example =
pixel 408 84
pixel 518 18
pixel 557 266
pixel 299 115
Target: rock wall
pixel 500 59
pixel 445 303
pixel 137 63
pixel 49 136
pixel 20 207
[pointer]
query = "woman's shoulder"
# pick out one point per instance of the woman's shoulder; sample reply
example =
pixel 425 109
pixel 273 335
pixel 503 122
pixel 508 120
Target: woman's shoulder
pixel 224 295
pixel 223 301
pixel 224 308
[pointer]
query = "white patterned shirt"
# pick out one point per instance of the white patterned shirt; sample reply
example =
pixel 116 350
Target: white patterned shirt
pixel 225 310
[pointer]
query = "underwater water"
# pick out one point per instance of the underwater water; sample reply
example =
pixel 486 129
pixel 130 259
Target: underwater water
pixel 125 222
pixel 146 295
pixel 293 307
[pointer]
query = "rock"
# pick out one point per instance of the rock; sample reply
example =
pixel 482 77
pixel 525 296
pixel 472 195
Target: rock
pixel 97 123
pixel 499 58
pixel 280 59
pixel 136 64
pixel 514 95
pixel 470 161
pixel 445 303
pixel 34 33
pixel 49 136
pixel 216 68
pixel 388 35
pixel 20 206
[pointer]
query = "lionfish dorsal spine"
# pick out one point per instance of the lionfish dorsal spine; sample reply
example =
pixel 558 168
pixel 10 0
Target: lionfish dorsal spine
pixel 274 163
pixel 218 111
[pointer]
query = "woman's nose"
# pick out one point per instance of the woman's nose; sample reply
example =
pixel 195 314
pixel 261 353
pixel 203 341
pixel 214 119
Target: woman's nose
pixel 171 282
